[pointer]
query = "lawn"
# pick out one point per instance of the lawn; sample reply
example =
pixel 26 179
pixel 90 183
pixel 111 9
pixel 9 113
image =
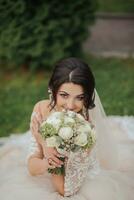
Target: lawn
pixel 19 91
pixel 115 84
pixel 116 6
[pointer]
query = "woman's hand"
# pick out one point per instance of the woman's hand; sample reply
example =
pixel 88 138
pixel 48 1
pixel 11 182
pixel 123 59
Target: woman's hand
pixel 51 154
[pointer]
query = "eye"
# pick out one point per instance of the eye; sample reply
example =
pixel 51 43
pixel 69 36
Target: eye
pixel 80 98
pixel 64 96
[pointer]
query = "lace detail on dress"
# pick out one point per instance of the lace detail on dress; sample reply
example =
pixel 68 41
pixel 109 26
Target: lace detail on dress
pixel 80 165
pixel 33 146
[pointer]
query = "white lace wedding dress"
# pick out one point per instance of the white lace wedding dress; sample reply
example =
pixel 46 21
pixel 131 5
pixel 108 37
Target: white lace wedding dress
pixel 84 180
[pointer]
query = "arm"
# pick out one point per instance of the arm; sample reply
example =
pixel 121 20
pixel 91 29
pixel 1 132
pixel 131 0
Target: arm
pixel 37 165
pixel 39 113
pixel 36 119
pixel 58 182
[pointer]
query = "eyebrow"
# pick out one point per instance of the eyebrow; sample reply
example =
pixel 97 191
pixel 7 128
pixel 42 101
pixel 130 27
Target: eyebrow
pixel 76 95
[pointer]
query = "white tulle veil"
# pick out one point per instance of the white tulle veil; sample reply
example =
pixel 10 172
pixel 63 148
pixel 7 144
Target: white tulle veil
pixel 107 152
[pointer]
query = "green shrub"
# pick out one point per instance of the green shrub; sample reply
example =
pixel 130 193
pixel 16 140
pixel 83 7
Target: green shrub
pixel 38 33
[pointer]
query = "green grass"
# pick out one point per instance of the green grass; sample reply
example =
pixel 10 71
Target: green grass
pixel 19 92
pixel 116 6
pixel 115 84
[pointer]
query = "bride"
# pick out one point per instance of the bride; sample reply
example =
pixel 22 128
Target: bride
pixel 105 172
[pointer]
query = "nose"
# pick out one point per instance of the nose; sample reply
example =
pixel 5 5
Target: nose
pixel 70 105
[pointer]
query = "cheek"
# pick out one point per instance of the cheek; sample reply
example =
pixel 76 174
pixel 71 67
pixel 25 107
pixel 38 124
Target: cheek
pixel 79 104
pixel 60 100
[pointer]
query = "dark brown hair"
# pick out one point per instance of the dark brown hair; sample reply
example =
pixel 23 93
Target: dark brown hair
pixel 76 71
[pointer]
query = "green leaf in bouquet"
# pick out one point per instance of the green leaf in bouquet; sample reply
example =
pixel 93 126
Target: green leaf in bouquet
pixel 58 170
pixel 90 143
pixel 75 148
pixel 47 130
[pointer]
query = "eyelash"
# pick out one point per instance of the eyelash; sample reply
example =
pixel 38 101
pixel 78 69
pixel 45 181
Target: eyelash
pixel 80 98
pixel 65 96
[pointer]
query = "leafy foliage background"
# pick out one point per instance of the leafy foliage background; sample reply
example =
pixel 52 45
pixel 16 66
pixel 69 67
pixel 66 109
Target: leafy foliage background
pixel 37 33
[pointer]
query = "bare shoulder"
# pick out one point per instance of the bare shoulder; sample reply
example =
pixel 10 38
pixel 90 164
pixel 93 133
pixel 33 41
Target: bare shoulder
pixel 43 107
pixel 44 102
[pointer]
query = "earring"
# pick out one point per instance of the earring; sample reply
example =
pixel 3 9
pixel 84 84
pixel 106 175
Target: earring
pixel 51 96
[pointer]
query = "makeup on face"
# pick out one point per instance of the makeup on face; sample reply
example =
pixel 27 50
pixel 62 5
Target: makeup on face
pixel 70 96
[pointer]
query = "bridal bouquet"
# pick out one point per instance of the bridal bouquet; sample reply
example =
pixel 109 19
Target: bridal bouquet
pixel 67 131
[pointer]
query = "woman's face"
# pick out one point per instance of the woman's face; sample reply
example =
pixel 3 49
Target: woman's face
pixel 70 96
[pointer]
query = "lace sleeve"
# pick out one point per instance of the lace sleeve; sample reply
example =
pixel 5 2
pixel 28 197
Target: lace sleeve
pixel 34 147
pixel 80 165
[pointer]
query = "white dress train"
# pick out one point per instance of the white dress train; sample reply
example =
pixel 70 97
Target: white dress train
pixel 84 180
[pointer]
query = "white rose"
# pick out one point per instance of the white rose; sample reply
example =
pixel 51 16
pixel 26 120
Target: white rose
pixel 80 117
pixel 81 139
pixel 68 120
pixel 54 116
pixel 57 115
pixel 52 141
pixel 54 121
pixel 84 128
pixel 88 126
pixel 65 133
pixel 63 152
pixel 71 113
pixel 93 134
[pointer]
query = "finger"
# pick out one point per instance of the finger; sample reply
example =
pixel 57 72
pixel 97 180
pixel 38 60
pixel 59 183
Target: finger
pixel 57 154
pixel 53 163
pixel 51 167
pixel 57 161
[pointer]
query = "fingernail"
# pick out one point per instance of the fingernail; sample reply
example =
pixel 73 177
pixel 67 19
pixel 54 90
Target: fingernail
pixel 62 156
pixel 59 155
